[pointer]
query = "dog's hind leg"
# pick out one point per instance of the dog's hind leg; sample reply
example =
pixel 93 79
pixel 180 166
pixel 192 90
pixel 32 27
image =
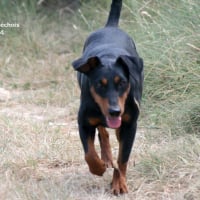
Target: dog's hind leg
pixel 106 154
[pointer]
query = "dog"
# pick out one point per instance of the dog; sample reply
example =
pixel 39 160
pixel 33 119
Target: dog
pixel 110 76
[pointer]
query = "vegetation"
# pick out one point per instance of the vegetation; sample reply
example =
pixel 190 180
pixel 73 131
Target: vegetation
pixel 40 152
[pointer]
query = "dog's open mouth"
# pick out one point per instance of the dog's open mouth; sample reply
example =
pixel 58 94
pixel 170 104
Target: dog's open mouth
pixel 113 122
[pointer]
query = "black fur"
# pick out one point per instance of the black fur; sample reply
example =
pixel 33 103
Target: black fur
pixel 108 53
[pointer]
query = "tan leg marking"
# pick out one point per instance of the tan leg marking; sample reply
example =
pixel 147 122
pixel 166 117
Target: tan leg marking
pixel 96 165
pixel 106 154
pixel 118 184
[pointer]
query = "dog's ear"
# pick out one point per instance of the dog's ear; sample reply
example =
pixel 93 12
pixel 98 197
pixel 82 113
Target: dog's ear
pixel 85 66
pixel 134 64
pixel 135 69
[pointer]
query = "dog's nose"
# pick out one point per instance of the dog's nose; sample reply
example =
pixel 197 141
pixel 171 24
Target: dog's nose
pixel 114 111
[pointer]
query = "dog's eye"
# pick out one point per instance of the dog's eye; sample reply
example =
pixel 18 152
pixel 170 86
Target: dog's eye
pixel 100 85
pixel 122 83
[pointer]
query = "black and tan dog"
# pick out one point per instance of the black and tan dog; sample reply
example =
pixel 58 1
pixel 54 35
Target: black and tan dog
pixel 110 75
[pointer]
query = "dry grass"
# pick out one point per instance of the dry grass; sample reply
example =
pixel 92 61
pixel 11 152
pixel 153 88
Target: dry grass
pixel 42 158
pixel 40 151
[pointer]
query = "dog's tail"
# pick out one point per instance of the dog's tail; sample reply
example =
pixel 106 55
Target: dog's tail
pixel 114 14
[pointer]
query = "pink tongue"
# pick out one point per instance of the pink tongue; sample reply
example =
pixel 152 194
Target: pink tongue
pixel 113 122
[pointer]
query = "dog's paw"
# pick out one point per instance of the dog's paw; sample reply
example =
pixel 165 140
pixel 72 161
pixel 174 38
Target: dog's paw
pixel 98 167
pixel 118 185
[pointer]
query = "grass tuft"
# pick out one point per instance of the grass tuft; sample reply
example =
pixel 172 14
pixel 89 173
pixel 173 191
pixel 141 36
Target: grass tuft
pixel 151 167
pixel 185 118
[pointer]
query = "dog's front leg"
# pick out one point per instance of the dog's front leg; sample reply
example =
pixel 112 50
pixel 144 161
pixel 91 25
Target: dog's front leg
pixel 125 135
pixel 87 135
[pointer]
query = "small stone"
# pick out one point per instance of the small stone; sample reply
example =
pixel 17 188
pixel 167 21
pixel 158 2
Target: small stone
pixel 5 95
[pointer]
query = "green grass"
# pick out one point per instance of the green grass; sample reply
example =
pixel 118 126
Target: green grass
pixel 40 151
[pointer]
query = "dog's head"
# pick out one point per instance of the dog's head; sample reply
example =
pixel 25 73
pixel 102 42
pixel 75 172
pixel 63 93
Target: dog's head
pixel 110 84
